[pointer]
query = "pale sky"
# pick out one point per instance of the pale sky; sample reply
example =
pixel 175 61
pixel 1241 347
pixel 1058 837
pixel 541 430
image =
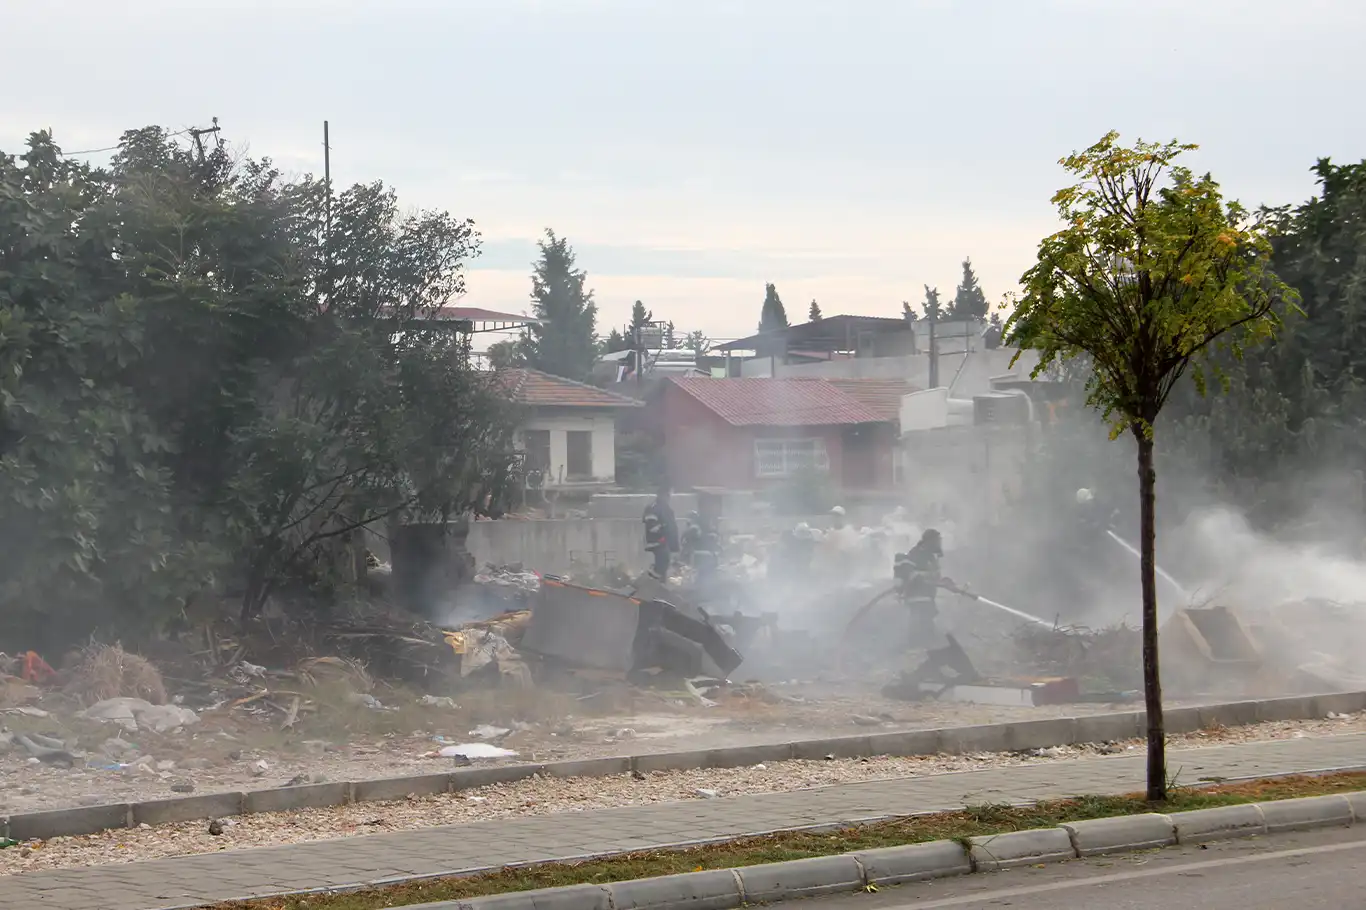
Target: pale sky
pixel 692 150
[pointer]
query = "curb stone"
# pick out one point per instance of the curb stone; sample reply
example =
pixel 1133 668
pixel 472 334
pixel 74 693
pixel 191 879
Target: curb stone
pixel 731 889
pixel 1004 737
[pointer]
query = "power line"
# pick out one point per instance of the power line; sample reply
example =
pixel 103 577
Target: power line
pixel 114 148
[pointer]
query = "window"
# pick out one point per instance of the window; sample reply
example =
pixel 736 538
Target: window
pixel 578 454
pixel 537 449
pixel 785 457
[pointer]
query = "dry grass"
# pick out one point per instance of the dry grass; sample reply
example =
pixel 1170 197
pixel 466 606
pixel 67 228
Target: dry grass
pixel 108 671
pixel 969 822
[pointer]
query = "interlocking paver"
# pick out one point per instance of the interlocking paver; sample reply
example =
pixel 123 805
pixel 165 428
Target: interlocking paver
pixel 186 881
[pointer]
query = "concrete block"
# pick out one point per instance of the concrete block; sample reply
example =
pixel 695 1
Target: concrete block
pixel 994 852
pixel 472 778
pixel 570 897
pixel 914 862
pixel 592 767
pixel 772 882
pixel 1339 703
pixel 1097 836
pixel 305 796
pixel 906 742
pixel 387 788
pixel 839 746
pixel 1294 707
pixel 69 822
pixel 1175 721
pixel 670 761
pixel 187 808
pixel 1104 728
pixel 1040 734
pixel 1306 814
pixel 716 889
pixel 1229 714
pixel 981 738
pixel 745 756
pixel 1219 823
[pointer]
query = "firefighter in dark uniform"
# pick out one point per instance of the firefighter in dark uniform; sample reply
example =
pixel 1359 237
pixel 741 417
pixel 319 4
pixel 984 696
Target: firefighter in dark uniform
pixel 917 574
pixel 702 547
pixel 661 533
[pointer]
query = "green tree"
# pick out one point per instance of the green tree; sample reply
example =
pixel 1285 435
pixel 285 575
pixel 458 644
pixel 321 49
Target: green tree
pixel 773 317
pixel 1152 269
pixel 969 302
pixel 670 341
pixel 615 342
pixel 907 312
pixel 814 314
pixel 933 308
pixel 505 355
pixel 697 342
pixel 564 342
pixel 640 318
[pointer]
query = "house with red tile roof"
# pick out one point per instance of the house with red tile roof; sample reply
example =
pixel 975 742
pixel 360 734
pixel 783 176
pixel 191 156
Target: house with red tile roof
pixel 569 428
pixel 750 433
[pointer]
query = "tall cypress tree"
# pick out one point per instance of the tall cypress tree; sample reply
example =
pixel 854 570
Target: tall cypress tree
pixel 773 317
pixel 564 342
pixel 969 302
pixel 814 314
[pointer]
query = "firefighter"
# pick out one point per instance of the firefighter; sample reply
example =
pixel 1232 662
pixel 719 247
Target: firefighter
pixel 918 581
pixel 661 533
pixel 702 542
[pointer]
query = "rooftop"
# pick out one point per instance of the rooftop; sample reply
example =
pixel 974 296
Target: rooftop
pixel 537 389
pixel 830 333
pixel 880 395
pixel 782 402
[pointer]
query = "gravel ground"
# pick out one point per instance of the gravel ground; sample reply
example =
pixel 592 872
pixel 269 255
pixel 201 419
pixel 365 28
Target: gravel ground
pixel 542 796
pixel 221 755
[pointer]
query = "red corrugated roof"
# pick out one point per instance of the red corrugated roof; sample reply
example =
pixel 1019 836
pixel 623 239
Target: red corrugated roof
pixel 778 402
pixel 881 395
pixel 537 389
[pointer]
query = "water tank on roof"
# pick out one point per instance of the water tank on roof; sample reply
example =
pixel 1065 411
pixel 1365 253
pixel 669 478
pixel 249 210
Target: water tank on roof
pixel 999 408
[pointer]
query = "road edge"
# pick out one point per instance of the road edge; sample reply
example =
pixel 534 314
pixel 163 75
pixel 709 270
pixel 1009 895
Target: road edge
pixel 731 889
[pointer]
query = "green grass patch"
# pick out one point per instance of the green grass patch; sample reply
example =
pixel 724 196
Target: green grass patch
pixel 969 822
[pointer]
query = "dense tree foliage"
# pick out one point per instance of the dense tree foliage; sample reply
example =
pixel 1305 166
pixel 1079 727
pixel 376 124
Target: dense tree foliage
pixel 203 391
pixel 773 315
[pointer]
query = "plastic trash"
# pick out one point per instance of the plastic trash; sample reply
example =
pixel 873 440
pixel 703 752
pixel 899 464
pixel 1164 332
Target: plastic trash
pixel 476 751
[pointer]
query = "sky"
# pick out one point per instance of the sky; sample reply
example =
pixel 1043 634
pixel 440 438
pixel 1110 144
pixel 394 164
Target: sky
pixel 693 150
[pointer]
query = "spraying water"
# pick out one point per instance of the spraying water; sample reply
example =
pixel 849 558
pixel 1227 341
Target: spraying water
pixel 1012 611
pixel 1181 592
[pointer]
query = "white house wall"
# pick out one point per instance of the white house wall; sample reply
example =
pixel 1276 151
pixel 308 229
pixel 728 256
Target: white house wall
pixel 604 430
pixel 966 374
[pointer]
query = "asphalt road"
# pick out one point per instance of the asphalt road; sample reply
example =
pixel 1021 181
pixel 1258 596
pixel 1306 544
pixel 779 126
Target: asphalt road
pixel 1315 871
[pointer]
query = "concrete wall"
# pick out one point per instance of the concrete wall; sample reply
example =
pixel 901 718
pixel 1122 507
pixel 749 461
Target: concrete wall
pixel 603 428
pixel 971 469
pixel 557 546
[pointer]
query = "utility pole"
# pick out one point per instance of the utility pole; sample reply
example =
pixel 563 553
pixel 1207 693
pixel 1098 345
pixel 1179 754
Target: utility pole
pixel 934 349
pixel 198 133
pixel 327 183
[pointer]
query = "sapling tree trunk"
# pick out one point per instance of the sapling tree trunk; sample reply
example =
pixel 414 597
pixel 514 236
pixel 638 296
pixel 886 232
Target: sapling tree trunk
pixel 1152 680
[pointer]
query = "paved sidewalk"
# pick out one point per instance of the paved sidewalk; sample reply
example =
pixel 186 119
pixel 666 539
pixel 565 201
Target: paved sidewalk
pixel 191 881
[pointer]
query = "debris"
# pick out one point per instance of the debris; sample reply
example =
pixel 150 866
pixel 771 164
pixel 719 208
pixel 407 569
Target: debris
pixel 438 701
pixel 107 672
pixel 488 731
pixel 369 701
pixel 863 720
pixel 245 672
pixel 182 785
pixel 134 714
pixel 475 752
pixel 44 749
pixel 29 711
pixel 636 775
pixel 215 827
pixel 292 715
pixel 706 793
pixel 259 768
pixel 476 799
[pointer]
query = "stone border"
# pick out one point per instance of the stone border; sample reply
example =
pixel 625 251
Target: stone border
pixel 730 889
pixel 1007 737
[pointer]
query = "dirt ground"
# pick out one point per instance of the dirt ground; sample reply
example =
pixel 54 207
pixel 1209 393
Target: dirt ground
pixel 238 749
